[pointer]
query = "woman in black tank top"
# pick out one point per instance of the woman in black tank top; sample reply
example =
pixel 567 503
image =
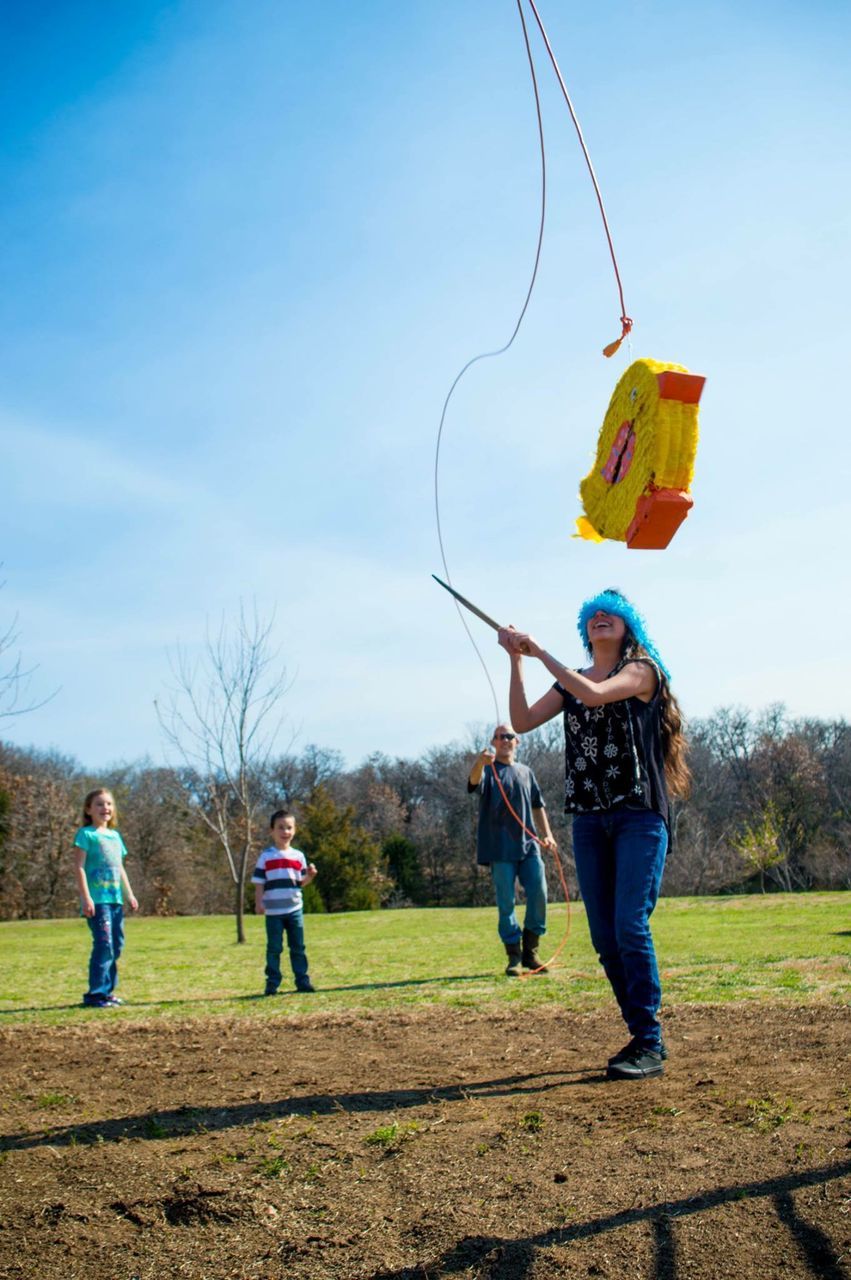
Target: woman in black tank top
pixel 624 755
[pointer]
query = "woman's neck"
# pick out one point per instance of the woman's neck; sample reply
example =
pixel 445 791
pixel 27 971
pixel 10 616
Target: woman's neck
pixel 605 656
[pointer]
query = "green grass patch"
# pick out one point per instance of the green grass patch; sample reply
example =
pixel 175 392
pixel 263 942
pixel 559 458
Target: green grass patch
pixel 767 1114
pixel 384 1136
pixel 784 947
pixel 274 1167
pixel 532 1122
pixel 391 1136
pixel 54 1099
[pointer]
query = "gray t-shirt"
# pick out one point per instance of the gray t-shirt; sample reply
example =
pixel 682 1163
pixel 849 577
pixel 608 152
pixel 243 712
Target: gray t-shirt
pixel 500 838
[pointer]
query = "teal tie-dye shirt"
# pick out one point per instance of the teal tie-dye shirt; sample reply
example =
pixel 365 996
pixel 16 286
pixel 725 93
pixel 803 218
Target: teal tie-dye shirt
pixel 104 852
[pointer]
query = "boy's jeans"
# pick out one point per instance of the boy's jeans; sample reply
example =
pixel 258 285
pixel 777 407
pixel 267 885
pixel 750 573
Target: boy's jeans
pixel 620 857
pixel 276 926
pixel 530 872
pixel 107 929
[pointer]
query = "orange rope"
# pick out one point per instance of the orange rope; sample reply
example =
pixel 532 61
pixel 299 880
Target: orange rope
pixel 538 841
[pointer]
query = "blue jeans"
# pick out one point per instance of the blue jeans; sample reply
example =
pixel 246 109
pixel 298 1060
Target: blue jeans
pixel 292 925
pixel 620 857
pixel 107 929
pixel 530 872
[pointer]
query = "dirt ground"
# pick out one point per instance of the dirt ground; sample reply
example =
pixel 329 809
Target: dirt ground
pixel 425 1145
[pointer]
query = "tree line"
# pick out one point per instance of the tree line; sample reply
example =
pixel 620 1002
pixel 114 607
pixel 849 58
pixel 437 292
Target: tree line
pixel 770 809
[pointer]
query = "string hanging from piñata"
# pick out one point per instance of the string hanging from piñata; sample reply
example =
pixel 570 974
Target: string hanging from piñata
pixel 637 491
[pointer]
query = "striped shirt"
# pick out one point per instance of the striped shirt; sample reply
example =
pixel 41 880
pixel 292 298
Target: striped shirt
pixel 280 871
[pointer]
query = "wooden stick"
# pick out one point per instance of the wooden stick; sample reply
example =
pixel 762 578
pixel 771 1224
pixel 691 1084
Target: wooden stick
pixel 466 603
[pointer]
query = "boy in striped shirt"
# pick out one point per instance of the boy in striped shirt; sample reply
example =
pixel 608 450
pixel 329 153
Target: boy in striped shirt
pixel 278 878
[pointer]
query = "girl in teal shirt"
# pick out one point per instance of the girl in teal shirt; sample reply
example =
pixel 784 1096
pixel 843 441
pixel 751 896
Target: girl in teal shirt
pixel 102 881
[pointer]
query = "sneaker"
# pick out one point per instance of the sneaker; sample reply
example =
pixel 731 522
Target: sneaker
pixel 306 986
pixel 628 1049
pixel 637 1065
pixel 114 1002
pixel 96 1002
pixel 271 991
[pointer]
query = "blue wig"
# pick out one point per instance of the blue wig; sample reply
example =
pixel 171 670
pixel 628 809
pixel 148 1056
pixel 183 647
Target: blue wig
pixel 611 601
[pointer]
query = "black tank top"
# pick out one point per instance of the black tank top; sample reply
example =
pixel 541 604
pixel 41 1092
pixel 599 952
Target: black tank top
pixel 613 754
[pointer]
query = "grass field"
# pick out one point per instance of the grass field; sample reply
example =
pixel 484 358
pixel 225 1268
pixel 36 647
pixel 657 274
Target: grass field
pixel 408 1120
pixel 785 947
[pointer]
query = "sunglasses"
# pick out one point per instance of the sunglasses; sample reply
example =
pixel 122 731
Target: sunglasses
pixel 505 737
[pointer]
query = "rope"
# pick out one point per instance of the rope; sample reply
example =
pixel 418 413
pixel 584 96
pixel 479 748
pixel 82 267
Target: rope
pixel 609 350
pixel 547 963
pixel 488 355
pixel 626 323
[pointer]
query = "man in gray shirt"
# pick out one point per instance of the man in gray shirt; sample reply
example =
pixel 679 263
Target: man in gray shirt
pixel 509 850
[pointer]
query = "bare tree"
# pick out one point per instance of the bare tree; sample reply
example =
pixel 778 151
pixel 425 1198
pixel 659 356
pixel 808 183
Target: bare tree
pixel 15 677
pixel 12 676
pixel 222 718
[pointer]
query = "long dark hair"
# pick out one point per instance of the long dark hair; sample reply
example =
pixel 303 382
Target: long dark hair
pixel 671 723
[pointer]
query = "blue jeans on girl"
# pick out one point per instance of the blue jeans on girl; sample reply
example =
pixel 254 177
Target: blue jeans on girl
pixel 620 857
pixel 107 929
pixel 530 872
pixel 276 926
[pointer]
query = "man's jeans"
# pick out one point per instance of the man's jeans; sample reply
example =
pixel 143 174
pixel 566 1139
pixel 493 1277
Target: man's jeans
pixel 107 928
pixel 276 926
pixel 620 856
pixel 530 872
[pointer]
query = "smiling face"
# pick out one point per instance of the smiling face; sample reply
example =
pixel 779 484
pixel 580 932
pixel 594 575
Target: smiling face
pixel 100 809
pixel 606 626
pixel 283 832
pixel 504 743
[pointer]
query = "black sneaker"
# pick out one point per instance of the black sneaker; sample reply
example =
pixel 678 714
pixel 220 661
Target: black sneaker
pixel 271 991
pixel 306 986
pixel 637 1065
pixel 97 1002
pixel 630 1048
pixel 114 1002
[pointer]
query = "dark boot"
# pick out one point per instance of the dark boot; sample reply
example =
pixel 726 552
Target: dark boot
pixel 512 950
pixel 531 959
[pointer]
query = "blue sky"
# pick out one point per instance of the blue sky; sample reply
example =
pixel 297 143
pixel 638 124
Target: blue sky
pixel 245 248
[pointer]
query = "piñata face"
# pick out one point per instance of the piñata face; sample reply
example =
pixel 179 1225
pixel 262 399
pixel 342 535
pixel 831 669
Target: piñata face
pixel 638 489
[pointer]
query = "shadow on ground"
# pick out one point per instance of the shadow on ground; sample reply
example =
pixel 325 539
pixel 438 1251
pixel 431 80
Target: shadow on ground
pixel 500 1257
pixel 253 995
pixel 181 1121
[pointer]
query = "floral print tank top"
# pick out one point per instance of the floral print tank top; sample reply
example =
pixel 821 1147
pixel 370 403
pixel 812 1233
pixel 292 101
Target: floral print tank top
pixel 613 755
